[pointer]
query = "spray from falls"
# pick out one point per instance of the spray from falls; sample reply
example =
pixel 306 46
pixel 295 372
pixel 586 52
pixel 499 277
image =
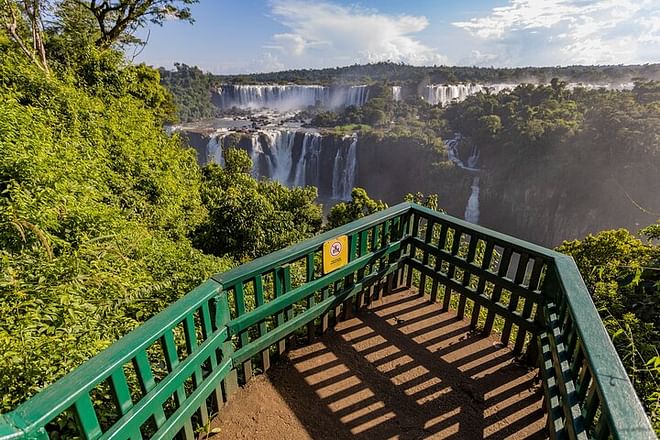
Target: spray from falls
pixel 396 93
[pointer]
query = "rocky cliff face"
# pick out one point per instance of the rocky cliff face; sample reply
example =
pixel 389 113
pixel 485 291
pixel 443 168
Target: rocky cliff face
pixel 539 202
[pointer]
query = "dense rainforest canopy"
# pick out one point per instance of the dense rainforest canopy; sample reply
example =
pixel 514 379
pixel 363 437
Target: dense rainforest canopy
pixel 100 210
pixel 105 220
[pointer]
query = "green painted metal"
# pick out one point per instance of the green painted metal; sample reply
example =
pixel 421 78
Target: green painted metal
pixel 535 294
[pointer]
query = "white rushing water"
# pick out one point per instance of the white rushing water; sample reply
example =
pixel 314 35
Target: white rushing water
pixel 280 158
pixel 472 208
pixel 345 170
pixel 444 94
pixel 294 158
pixel 286 97
pixel 308 168
pixel 396 93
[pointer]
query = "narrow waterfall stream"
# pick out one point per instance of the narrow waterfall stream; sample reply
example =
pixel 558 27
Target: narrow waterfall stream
pixel 472 208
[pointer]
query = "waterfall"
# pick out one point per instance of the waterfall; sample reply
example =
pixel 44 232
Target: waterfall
pixel 445 94
pixel 297 158
pixel 357 96
pixel 396 93
pixel 307 170
pixel 286 97
pixel 280 144
pixel 214 149
pixel 472 209
pixel 256 154
pixel 344 170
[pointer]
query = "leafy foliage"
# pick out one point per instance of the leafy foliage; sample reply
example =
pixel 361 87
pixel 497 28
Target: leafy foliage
pixel 249 218
pixel 96 207
pixel 191 89
pixel 360 206
pixel 623 276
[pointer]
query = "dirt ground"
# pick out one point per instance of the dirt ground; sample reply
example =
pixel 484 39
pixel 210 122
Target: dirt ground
pixel 402 370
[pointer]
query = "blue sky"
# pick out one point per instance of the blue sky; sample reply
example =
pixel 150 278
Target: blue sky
pixel 268 35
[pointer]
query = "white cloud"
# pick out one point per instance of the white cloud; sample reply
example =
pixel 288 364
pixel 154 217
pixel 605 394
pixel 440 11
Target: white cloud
pixel 339 34
pixel 570 31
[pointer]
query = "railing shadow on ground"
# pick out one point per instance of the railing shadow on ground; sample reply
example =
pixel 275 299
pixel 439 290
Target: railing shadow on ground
pixel 405 369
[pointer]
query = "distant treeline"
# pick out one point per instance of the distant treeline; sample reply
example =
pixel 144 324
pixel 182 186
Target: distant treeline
pixel 403 73
pixel 192 87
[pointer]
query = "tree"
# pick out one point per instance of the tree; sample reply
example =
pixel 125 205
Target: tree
pixel 250 218
pixel 623 277
pixel 119 19
pixel 24 25
pixel 360 206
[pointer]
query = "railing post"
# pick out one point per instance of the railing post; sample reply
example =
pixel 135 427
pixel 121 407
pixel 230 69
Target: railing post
pixel 223 317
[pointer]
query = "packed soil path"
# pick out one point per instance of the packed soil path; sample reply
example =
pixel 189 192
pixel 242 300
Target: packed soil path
pixel 401 370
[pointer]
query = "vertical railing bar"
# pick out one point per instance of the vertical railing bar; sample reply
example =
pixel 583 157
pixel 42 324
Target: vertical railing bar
pixel 172 360
pixel 438 261
pixel 198 378
pixel 364 236
pixel 481 286
pixel 529 303
pixel 428 237
pixel 243 337
pixel 278 280
pixel 87 419
pixel 311 299
pixel 263 327
pixel 147 383
pixel 467 274
pixel 497 290
pixel 455 246
pixel 514 298
pixel 207 329
pixel 411 247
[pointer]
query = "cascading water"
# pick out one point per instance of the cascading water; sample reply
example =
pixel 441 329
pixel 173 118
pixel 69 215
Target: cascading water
pixel 345 170
pixel 445 94
pixel 289 97
pixel 280 144
pixel 396 93
pixel 308 168
pixel 214 149
pixel 295 158
pixel 472 208
pixel 256 153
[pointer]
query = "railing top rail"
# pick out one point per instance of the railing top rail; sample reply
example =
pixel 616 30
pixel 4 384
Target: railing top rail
pixel 56 398
pixel 625 413
pixel 299 250
pixel 500 238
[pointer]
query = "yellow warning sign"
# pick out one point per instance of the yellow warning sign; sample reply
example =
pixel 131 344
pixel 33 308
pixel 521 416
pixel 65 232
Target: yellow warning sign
pixel 335 253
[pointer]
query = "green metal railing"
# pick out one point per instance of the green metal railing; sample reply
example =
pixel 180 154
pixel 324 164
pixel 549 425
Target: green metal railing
pixel 173 373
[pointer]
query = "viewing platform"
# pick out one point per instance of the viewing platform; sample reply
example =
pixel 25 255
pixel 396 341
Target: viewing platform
pixel 404 324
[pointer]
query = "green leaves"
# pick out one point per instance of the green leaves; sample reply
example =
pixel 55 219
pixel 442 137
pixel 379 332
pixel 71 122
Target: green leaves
pixel 250 218
pixel 621 273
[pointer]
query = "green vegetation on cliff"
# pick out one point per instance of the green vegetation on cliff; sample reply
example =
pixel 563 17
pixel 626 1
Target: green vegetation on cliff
pixel 99 208
pixel 623 276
